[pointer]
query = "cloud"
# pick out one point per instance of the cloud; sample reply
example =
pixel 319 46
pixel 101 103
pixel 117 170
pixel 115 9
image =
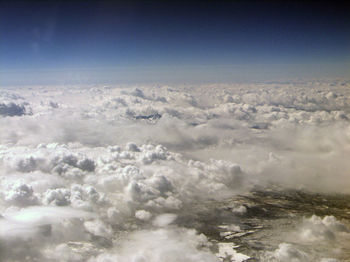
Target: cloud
pixel 175 244
pixel 322 229
pixel 12 109
pixel 311 239
pixel 287 252
pixel 92 171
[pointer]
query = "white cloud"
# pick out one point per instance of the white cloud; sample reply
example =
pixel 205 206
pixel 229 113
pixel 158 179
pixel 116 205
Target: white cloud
pixel 322 229
pixel 13 109
pixel 71 179
pixel 287 252
pixel 143 215
pixel 176 244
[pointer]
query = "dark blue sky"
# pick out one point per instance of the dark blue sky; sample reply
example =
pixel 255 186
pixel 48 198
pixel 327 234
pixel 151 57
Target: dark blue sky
pixel 168 41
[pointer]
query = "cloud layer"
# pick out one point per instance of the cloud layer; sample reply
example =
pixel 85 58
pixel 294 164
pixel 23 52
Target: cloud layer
pixel 89 172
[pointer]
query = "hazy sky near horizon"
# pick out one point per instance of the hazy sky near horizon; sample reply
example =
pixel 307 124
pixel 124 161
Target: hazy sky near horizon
pixel 152 41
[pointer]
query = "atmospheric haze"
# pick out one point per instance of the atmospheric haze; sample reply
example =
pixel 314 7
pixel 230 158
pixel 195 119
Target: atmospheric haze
pixel 174 173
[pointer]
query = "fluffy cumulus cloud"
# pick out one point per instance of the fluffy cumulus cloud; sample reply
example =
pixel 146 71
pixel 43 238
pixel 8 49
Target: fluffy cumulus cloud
pixel 115 184
pixel 122 173
pixel 327 233
pixel 173 244
pixel 12 104
pixel 322 229
pixel 12 109
pixel 287 252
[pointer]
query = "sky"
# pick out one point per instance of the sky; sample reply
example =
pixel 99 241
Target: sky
pixel 62 42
